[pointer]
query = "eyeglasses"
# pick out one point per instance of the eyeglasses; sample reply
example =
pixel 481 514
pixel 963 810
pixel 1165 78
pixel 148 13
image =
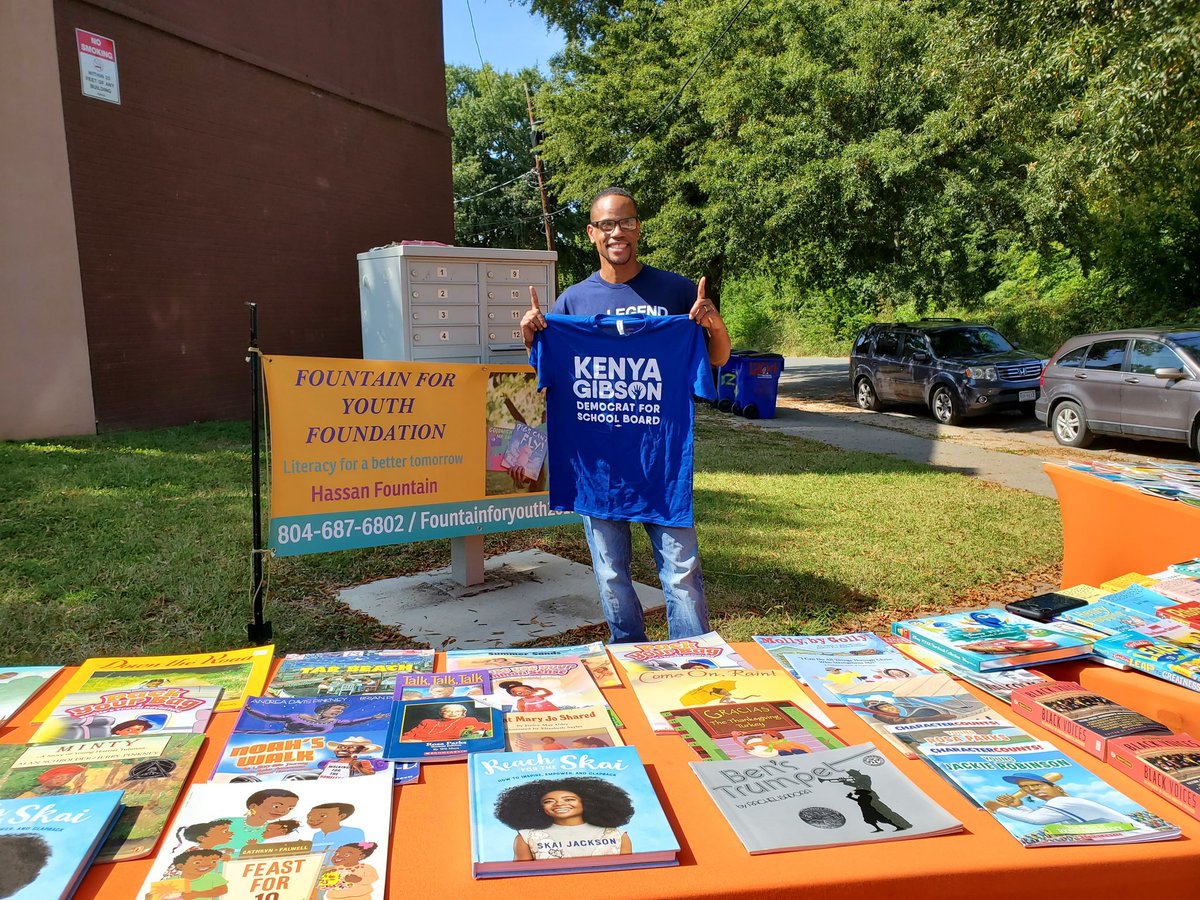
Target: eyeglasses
pixel 607 225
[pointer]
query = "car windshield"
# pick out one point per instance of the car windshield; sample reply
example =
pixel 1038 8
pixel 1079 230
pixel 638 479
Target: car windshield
pixel 955 342
pixel 1189 341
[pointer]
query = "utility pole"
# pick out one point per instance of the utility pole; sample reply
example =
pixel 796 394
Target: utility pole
pixel 537 168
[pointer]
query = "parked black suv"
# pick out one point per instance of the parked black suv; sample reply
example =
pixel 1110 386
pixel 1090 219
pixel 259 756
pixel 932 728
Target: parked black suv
pixel 955 368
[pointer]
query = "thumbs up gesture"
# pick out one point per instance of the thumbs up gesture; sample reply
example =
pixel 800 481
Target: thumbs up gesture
pixel 533 321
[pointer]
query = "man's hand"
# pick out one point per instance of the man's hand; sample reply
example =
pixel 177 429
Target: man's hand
pixel 704 312
pixel 533 321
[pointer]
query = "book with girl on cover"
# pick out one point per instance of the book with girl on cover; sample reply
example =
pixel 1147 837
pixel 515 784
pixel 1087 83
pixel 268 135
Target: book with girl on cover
pixel 99 714
pixel 324 838
pixel 704 651
pixel 850 795
pixel 819 646
pixel 826 675
pixel 151 771
pixel 550 812
pixel 48 844
pixel 762 730
pixel 543 686
pixel 594 656
pixel 988 639
pixel 345 672
pixel 658 692
pixel 289 739
pixel 561 729
pixel 241 673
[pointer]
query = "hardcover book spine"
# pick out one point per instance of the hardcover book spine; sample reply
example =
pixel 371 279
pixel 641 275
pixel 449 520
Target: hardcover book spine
pixel 951 653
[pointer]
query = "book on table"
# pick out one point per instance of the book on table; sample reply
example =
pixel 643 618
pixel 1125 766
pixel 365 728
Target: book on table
pixel 988 639
pixel 1081 717
pixel 817 646
pixel 345 672
pixel 299 738
pixel 1179 589
pixel 594 656
pixel 475 683
pixel 1139 600
pixel 19 684
pixel 442 730
pixel 241 673
pixel 1000 683
pixel 295 841
pixel 560 729
pixel 562 811
pixel 704 651
pixel 827 675
pixel 851 795
pixel 1168 765
pixel 1106 618
pixel 762 730
pixel 1183 613
pixel 152 771
pixel 1044 798
pixel 100 714
pixel 48 843
pixel 657 692
pixel 1155 656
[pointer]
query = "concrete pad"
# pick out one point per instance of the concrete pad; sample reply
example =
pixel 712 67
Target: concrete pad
pixel 524 596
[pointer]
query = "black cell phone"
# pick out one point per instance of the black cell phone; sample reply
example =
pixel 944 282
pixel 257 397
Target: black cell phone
pixel 1044 607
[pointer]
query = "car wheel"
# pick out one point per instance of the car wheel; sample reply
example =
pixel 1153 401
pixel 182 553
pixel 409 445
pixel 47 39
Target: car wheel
pixel 865 396
pixel 944 405
pixel 1070 425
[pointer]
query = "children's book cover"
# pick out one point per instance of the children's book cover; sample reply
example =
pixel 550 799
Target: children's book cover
pixel 750 730
pixel 989 729
pixel 295 739
pixel 526 451
pixel 18 684
pixel 442 730
pixel 1130 579
pixel 1044 798
pixel 1188 567
pixel 1105 617
pixel 1139 600
pixel 1181 590
pixel 824 674
pixel 999 684
pixel 548 812
pixel 819 646
pixel 704 651
pixel 441 685
pixel 1183 613
pixel 567 729
pixel 241 673
pixel 1162 658
pixel 850 795
pixel 544 686
pixel 594 656
pixel 924 698
pixel 325 838
pixel 1081 717
pixel 150 770
pixel 987 639
pixel 688 688
pixel 1175 632
pixel 48 844
pixel 345 673
pixel 1168 765
pixel 165 710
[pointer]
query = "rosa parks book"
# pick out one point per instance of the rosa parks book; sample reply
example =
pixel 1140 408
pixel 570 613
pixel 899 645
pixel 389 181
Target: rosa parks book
pixel 750 730
pixel 150 770
pixel 850 795
pixel 565 811
pixel 323 838
pixel 290 739
pixel 442 730
pixel 345 672
pixel 100 714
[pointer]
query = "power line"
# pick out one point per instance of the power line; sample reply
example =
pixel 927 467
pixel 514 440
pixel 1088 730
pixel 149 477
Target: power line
pixel 458 200
pixel 471 16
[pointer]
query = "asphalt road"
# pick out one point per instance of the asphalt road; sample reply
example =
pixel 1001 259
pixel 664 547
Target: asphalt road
pixel 1006 448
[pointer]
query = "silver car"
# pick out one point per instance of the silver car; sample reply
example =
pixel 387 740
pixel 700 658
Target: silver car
pixel 1139 383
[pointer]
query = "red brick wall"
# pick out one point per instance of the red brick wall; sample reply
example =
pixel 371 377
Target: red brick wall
pixel 252 156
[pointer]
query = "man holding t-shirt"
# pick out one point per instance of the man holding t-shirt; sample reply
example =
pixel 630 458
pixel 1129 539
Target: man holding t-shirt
pixel 625 287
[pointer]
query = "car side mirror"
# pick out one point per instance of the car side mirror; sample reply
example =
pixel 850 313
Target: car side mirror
pixel 1174 374
pixel 921 356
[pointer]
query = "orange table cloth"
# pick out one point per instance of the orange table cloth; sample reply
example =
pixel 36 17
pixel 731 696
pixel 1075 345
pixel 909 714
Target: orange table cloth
pixel 431 848
pixel 1110 529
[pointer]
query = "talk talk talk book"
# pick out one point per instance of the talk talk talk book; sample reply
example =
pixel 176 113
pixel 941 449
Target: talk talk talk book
pixel 992 639
pixel 594 656
pixel 851 795
pixel 763 730
pixel 565 729
pixel 296 739
pixel 1044 798
pixel 18 684
pixel 704 651
pixel 151 771
pixel 442 685
pixel 658 692
pixel 165 710
pixel 542 813
pixel 241 673
pixel 325 838
pixel 346 672
pixel 49 842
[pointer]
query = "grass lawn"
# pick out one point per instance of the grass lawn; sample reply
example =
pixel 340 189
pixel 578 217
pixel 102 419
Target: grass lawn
pixel 139 543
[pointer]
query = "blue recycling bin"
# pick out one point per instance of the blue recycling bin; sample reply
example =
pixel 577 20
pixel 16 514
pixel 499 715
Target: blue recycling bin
pixel 757 384
pixel 726 378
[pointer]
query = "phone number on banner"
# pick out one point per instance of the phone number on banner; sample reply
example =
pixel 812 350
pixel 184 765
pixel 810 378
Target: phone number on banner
pixel 297 535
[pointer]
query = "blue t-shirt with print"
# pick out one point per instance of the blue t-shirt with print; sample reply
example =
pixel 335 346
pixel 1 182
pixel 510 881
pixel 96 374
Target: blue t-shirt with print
pixel 620 413
pixel 651 292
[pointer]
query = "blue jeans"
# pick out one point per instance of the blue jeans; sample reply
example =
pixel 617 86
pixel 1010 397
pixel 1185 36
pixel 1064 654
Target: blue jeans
pixel 677 556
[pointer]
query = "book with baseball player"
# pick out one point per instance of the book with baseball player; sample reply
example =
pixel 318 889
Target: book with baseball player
pixel 1044 798
pixel 765 730
pixel 1168 765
